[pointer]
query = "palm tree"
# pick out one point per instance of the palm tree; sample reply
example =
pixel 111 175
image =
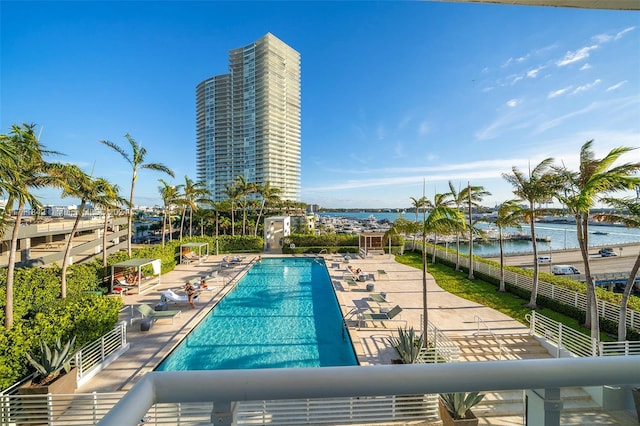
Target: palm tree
pixel 24 169
pixel 417 204
pixel 244 189
pixel 441 219
pixel 509 216
pixel 269 195
pixel 439 201
pixel 583 188
pixel 232 194
pixel 540 185
pixel 193 193
pixel 169 195
pixel 457 199
pixel 77 184
pixel 136 160
pixel 108 199
pixel 473 195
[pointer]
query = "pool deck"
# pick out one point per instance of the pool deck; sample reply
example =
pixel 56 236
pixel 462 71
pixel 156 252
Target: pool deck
pixel 402 284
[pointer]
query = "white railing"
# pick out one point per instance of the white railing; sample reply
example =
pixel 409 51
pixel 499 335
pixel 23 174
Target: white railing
pixel 352 410
pixel 228 389
pixel 94 357
pixel 90 359
pixel 441 347
pixel 487 331
pixel 563 337
pixel 56 409
pixel 329 395
pixel 619 348
pixel 608 310
pixel 90 408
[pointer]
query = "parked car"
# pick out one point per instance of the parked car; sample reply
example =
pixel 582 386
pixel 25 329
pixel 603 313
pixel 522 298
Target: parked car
pixel 564 270
pixel 544 259
pixel 607 252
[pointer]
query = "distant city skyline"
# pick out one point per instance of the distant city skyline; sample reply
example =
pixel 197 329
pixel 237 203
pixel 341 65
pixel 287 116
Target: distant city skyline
pixel 393 93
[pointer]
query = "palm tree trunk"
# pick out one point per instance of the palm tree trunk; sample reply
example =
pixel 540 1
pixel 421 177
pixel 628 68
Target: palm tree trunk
pixel 457 251
pixel 592 320
pixel 104 237
pixel 130 219
pixel 184 212
pixel 258 220
pixel 11 267
pixel 502 285
pixel 425 311
pixel 190 222
pixel 164 224
pixel 622 321
pixel 67 251
pixel 471 276
pixel 534 285
pixel 233 222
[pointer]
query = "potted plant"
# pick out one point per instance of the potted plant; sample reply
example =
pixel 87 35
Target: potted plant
pixel 408 345
pixel 455 408
pixel 53 369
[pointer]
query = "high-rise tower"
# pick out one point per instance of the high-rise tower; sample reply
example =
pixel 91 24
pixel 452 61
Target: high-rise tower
pixel 248 121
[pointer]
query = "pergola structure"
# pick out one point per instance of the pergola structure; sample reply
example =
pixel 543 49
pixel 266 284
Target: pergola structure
pixel 135 274
pixel 370 243
pixel 190 252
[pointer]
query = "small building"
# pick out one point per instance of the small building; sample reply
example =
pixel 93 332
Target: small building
pixel 276 228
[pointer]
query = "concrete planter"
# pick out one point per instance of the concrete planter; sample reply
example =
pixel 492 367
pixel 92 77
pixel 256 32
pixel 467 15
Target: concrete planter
pixel 38 401
pixel 447 420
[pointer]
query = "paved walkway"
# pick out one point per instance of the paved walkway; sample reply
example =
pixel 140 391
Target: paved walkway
pixel 403 286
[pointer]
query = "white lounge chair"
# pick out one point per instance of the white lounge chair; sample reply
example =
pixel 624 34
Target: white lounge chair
pixel 173 297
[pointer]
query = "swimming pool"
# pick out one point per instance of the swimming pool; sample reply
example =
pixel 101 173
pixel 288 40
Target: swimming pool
pixel 282 313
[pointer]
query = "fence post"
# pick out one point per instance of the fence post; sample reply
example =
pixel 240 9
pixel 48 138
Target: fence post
pixel 95 407
pixel 559 345
pixel 79 370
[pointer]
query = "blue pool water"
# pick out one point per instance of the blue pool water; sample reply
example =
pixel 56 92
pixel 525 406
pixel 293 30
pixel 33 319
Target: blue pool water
pixel 282 313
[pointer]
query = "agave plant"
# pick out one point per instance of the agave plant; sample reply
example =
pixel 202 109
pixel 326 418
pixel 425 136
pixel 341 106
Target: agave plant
pixel 408 344
pixel 51 361
pixel 457 404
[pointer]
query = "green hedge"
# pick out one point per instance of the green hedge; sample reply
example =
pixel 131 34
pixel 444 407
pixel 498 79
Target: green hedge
pixel 40 314
pixel 331 243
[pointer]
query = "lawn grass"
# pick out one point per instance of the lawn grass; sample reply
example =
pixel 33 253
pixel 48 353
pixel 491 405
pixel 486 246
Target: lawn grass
pixel 456 282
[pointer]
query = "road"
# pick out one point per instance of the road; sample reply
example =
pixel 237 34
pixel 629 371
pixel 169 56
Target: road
pixel 626 256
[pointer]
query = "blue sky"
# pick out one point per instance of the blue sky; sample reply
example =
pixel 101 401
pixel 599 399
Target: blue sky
pixel 393 93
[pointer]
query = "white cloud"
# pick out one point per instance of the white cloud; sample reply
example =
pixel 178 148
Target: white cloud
pixel 586 87
pixel 585 67
pixel 534 72
pixel 559 120
pixel 513 119
pixel 576 56
pixel 512 103
pixel 602 38
pixel 623 32
pixel 616 86
pixel 558 92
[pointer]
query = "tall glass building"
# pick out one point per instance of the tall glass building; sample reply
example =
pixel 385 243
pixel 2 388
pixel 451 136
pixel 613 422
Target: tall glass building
pixel 248 121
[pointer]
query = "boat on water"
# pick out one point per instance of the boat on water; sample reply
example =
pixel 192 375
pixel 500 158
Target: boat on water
pixel 600 233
